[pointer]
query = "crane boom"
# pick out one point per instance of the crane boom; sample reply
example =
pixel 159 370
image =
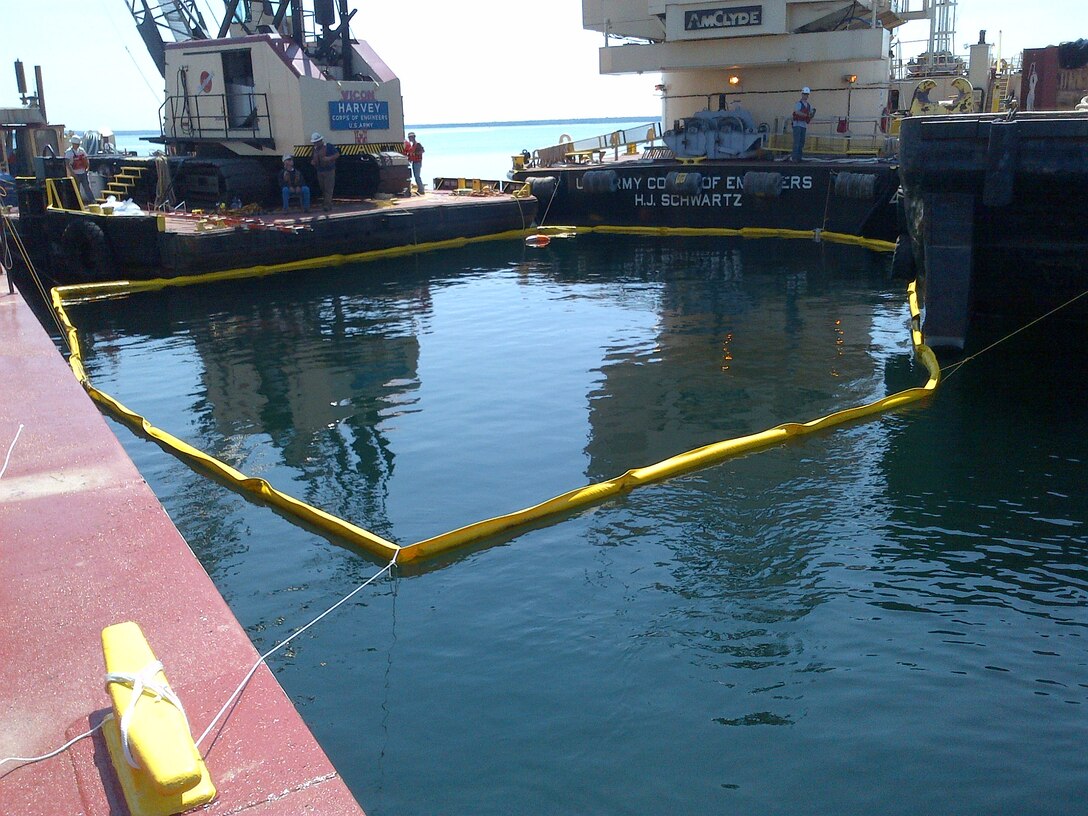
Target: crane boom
pixel 180 19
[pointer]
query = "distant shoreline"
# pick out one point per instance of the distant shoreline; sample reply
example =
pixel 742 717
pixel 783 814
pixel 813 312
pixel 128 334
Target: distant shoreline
pixel 523 122
pixel 515 123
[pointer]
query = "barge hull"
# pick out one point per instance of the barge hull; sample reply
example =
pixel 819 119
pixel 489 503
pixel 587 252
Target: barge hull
pixel 84 246
pixel 852 197
pixel 995 217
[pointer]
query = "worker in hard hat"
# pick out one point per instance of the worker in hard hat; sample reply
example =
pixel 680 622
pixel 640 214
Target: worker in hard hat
pixel 77 165
pixel 803 113
pixel 325 156
pixel 292 183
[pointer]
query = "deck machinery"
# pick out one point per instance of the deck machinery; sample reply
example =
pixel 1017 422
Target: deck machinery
pixel 241 96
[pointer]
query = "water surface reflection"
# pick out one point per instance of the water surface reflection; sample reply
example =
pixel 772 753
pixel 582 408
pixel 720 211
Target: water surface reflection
pixel 884 618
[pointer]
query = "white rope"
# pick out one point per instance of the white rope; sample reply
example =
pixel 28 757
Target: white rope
pixel 141 682
pixel 7 458
pixel 52 754
pixel 155 687
pixel 288 639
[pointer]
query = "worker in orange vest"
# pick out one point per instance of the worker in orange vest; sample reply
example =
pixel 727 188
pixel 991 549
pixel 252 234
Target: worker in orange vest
pixel 414 151
pixel 77 164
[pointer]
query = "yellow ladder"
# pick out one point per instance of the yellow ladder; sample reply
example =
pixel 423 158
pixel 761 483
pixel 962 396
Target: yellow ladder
pixel 1001 90
pixel 121 185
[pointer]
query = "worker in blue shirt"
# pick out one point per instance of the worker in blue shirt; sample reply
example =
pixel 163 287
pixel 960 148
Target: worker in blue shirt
pixel 803 113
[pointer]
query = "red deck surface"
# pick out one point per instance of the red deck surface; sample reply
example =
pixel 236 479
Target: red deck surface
pixel 84 543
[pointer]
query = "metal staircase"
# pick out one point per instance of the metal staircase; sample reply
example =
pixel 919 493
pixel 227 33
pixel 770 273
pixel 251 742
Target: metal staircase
pixel 121 185
pixel 1000 92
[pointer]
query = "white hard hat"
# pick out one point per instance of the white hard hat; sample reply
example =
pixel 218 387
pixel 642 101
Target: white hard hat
pixel 805 90
pixel 316 137
pixel 288 157
pixel 76 140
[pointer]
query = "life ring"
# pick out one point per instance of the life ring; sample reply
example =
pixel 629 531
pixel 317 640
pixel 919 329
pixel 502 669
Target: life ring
pixel 537 240
pixel 565 139
pixel 85 251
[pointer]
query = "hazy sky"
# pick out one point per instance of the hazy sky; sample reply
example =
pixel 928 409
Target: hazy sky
pixel 477 60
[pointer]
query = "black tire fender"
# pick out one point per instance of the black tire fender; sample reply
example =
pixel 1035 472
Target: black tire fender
pixel 86 252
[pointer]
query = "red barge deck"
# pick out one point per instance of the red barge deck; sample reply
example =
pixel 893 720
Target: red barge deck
pixel 84 543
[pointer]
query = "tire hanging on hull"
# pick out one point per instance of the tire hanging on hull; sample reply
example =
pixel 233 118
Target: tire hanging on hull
pixel 683 183
pixel 85 252
pixel 762 185
pixel 856 185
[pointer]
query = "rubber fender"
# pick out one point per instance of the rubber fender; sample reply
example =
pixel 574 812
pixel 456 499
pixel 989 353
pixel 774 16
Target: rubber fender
pixel 683 183
pixel 85 250
pixel 600 181
pixel 542 187
pixel 855 185
pixel 763 185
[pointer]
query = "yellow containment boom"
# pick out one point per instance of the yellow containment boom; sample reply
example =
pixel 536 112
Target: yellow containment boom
pixel 160 770
pixel 554 507
pixel 685 462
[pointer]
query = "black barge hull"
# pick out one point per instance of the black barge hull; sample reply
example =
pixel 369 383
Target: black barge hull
pixel 852 197
pixel 82 246
pixel 996 217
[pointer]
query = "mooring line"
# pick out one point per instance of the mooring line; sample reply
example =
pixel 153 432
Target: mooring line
pixel 55 752
pixel 249 676
pixel 234 695
pixel 951 369
pixel 25 255
pixel 11 447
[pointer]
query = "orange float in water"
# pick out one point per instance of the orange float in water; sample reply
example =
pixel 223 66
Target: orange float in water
pixel 538 240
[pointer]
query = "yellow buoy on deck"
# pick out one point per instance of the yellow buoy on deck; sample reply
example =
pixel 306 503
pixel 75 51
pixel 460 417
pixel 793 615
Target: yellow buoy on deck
pixel 160 770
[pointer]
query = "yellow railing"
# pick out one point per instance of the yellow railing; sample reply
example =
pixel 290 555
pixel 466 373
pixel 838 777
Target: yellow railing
pixel 62 194
pixel 833 145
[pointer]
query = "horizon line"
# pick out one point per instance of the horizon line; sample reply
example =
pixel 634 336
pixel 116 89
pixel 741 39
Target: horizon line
pixel 407 125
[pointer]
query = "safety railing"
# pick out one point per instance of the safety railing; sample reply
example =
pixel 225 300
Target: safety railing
pixel 217 116
pixel 571 151
pixel 62 194
pixel 839 137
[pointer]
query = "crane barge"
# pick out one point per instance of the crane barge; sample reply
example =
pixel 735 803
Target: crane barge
pixel 239 97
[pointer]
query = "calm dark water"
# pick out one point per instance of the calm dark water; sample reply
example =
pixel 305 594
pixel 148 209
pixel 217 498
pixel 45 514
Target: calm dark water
pixel 889 618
